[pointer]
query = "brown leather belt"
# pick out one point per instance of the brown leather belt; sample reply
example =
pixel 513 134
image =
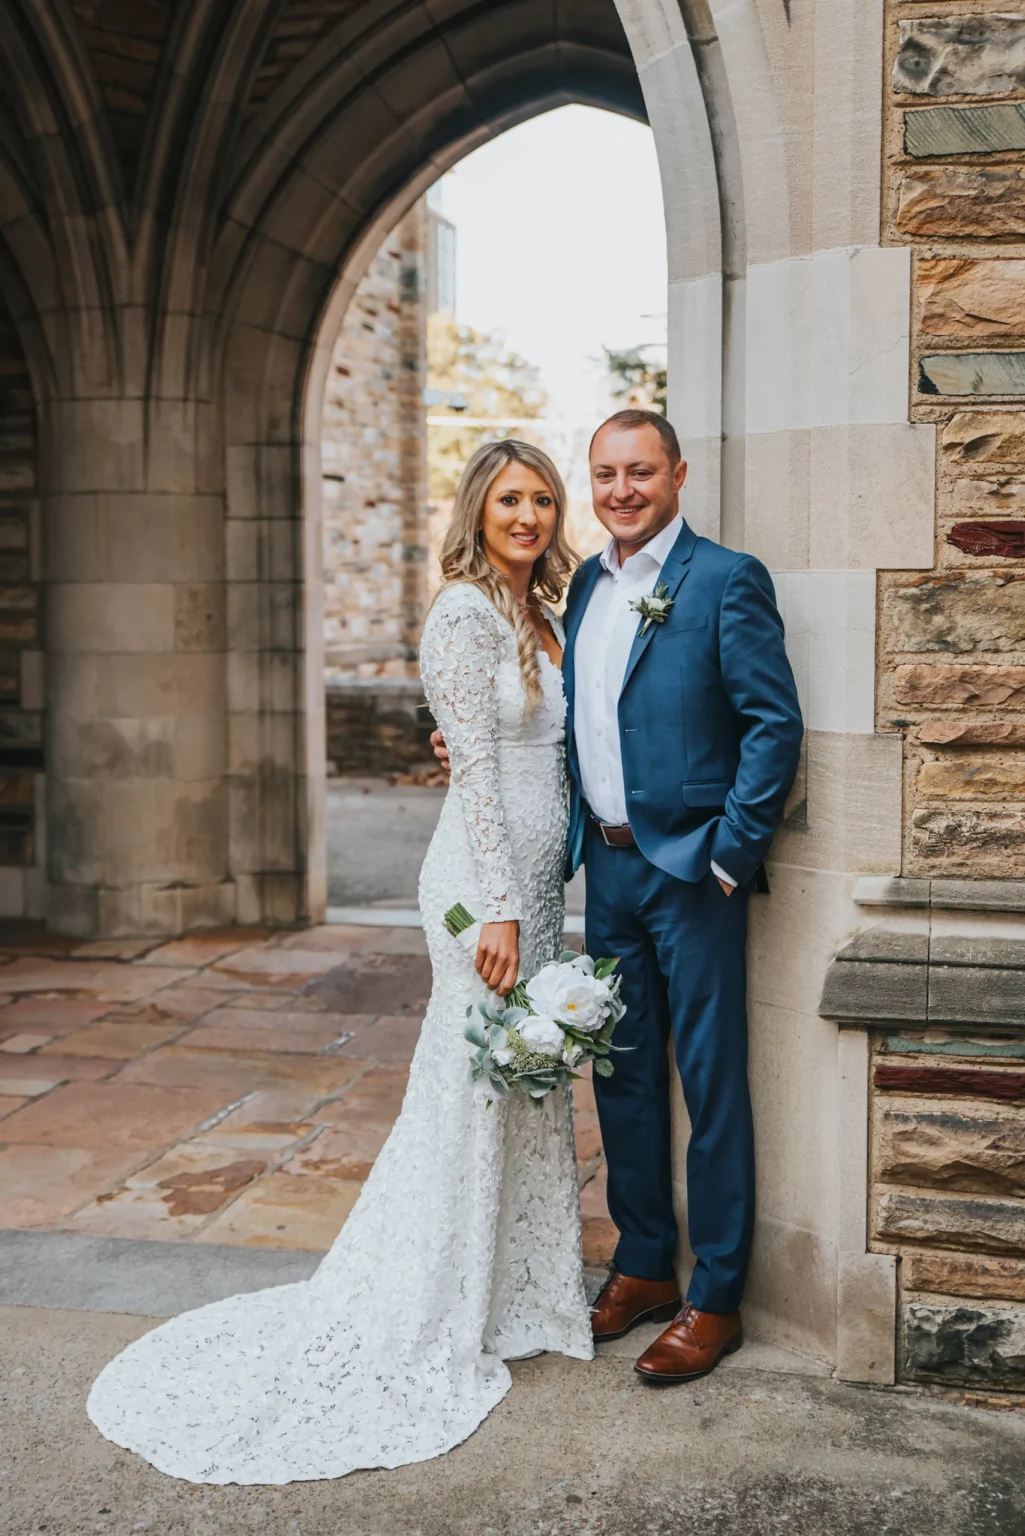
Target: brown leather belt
pixel 616 835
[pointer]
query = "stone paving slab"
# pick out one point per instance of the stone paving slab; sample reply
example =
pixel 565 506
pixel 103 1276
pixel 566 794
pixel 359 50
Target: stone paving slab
pixel 575 1449
pixel 230 1088
pixel 113 1274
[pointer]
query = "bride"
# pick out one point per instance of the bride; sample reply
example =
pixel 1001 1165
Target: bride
pixel 463 1250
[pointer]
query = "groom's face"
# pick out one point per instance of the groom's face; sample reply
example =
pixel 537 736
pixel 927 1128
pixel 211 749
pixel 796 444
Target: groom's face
pixel 634 484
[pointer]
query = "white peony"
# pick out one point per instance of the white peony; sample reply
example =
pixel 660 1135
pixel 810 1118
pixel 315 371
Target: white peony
pixel 567 994
pixel 542 1035
pixel 572 1054
pixel 498 1044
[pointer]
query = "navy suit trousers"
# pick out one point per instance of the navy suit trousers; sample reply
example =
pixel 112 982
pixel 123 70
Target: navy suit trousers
pixel 682 959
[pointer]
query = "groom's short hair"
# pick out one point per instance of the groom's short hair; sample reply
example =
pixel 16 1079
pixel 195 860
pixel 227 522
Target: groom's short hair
pixel 629 419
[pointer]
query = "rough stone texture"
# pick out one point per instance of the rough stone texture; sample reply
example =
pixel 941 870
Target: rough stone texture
pixel 949 1274
pixel 979 895
pixel 987 687
pixel 937 131
pixel 960 611
pixel 950 1080
pixel 858 989
pixel 973 947
pixel 374 451
pixel 972 373
pixel 910 946
pixel 1004 539
pixel 971 842
pixel 985 437
pixel 952 202
pixel 963 297
pixel 990 1226
pixel 986 497
pixel 971 779
pixel 960 56
pixel 986 995
pixel 972 1346
pixel 951 1146
pixel 972 733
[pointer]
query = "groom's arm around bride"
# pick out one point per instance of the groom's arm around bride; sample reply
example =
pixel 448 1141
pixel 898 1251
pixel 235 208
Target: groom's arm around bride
pixel 684 738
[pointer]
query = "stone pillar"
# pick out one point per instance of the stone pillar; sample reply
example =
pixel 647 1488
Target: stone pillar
pixel 134 550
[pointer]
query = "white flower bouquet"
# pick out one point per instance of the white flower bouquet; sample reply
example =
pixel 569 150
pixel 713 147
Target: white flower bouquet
pixel 547 1028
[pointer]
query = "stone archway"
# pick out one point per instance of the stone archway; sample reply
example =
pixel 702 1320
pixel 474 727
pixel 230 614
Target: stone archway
pixel 554 60
pixel 172 235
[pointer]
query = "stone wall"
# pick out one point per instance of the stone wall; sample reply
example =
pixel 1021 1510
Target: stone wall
pixel 374 454
pixel 937 974
pixel 952 641
pixel 21 702
pixel 936 971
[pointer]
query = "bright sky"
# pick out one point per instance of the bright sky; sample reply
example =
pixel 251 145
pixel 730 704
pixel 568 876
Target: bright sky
pixel 560 245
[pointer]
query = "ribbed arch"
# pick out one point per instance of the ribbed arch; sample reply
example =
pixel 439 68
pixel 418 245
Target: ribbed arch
pixel 374 113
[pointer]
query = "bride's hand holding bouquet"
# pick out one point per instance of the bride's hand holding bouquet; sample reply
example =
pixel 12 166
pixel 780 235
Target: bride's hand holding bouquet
pixel 537 1034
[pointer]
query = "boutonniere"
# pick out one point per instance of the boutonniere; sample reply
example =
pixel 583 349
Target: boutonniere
pixel 653 608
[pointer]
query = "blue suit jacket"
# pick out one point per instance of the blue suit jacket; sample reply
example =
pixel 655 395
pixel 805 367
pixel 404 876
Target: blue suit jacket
pixel 709 723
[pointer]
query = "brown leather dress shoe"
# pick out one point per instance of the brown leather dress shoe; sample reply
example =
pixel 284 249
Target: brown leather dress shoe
pixel 691 1346
pixel 625 1301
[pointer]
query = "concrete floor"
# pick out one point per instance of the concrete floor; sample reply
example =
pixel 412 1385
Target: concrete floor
pixel 377 836
pixel 574 1450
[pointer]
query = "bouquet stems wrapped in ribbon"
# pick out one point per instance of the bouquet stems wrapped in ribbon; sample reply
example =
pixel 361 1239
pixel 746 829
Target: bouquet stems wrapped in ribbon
pixel 547 1028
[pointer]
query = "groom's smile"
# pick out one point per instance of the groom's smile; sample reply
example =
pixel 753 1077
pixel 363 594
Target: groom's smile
pixel 635 484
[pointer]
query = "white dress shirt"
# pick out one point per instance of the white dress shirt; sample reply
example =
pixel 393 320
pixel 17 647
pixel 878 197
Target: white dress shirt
pixel 600 655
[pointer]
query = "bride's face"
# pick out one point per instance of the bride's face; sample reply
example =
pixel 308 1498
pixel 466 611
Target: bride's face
pixel 519 519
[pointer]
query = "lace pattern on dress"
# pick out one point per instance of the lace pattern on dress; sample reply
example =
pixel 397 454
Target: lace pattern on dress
pixel 463 1249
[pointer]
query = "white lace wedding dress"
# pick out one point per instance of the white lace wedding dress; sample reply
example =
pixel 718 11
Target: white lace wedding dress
pixel 464 1248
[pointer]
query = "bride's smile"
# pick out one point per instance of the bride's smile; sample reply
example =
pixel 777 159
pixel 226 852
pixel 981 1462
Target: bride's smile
pixel 518 524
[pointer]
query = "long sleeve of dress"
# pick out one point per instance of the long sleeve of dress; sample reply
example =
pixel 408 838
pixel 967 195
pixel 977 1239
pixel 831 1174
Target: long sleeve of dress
pixel 459 657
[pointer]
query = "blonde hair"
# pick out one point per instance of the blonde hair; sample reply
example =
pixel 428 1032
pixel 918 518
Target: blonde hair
pixel 463 558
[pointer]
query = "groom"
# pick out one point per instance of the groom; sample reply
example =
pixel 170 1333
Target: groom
pixel 684 734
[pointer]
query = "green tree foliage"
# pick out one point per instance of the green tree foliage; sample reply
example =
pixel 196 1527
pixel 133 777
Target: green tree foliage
pixel 496 384
pixel 637 379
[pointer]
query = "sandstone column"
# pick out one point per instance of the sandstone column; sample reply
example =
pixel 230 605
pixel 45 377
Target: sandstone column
pixel 134 551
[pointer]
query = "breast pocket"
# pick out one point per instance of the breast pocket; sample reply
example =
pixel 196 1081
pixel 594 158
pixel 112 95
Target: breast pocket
pixel 685 627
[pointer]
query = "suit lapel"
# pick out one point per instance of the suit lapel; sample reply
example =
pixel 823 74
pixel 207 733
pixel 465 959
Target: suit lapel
pixel 673 574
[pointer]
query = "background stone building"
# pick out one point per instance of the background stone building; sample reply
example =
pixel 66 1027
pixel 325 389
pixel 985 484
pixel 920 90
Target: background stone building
pixel 189 199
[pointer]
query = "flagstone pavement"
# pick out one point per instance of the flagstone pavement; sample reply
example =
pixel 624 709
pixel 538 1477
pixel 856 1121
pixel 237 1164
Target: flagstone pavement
pixel 233 1087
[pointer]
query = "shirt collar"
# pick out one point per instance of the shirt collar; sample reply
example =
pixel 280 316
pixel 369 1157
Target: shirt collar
pixel 656 549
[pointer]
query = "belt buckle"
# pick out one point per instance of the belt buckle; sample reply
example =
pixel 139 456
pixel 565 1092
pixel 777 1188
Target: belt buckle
pixel 605 827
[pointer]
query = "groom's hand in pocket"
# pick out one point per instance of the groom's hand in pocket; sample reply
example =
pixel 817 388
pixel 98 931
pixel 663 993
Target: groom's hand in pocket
pixel 498 956
pixel 440 750
pixel 728 889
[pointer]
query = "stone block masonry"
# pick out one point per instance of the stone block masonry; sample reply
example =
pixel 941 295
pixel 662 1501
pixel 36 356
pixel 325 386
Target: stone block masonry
pixel 971 55
pixel 951 642
pixel 374 448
